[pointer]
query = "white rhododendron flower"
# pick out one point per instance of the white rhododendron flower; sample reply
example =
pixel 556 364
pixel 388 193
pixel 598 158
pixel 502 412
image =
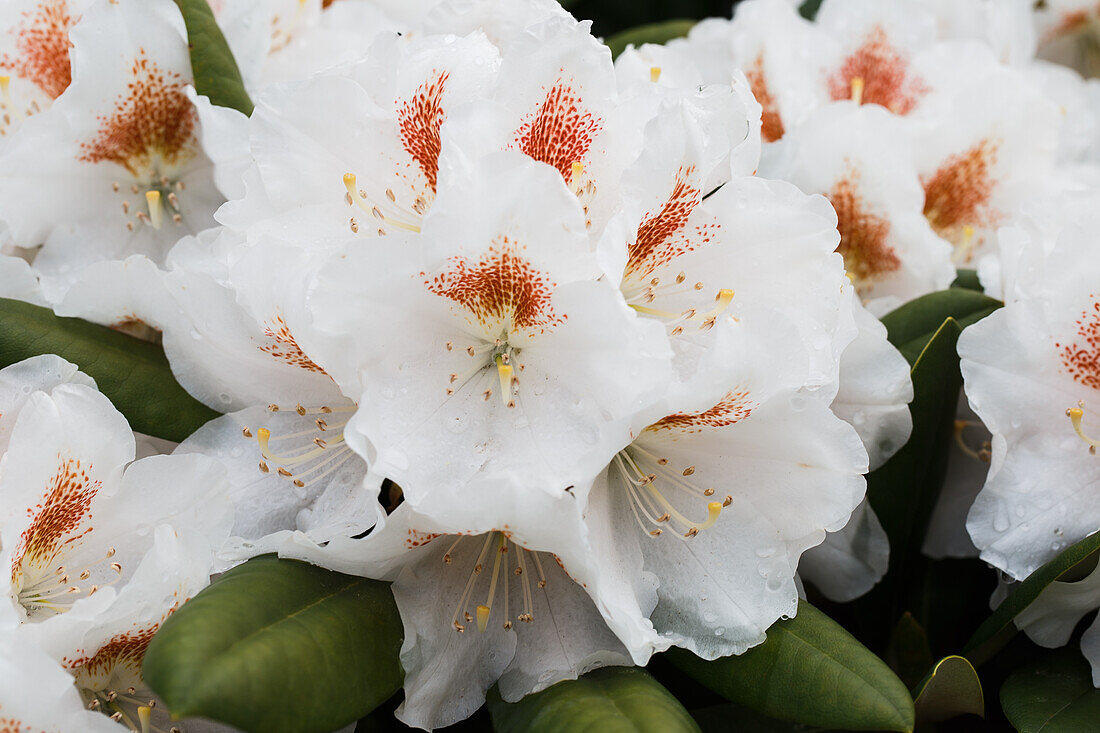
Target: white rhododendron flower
pixel 115 166
pixel 34 58
pixel 38 694
pixel 98 552
pixel 1031 375
pixel 860 158
pixel 483 608
pixel 494 361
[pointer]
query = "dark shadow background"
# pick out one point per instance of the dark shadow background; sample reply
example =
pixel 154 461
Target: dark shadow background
pixel 612 16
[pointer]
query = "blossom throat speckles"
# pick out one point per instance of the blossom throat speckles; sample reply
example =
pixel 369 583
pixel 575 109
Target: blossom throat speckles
pixel 42 47
pixel 509 560
pixel 877 73
pixel 507 301
pixel 957 196
pixel 45 581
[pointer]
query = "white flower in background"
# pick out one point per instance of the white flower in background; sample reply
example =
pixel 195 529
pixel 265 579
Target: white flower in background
pixel 1032 373
pixel 1069 33
pixel 490 355
pixel 34 58
pixel 487 606
pixel 18 281
pixel 286 40
pixel 114 167
pixel 38 694
pixel 98 549
pixel 860 158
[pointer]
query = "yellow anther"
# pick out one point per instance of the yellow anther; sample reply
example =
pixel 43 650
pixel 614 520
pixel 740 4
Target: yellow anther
pixel 156 213
pixel 654 73
pixel 857 89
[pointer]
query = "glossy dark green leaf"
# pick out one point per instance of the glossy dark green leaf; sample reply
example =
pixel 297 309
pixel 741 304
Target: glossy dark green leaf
pixel 904 490
pixel 911 326
pixel 729 717
pixel 950 689
pixel 998 628
pixel 967 279
pixel 909 653
pixel 612 699
pixel 1053 695
pixel 659 33
pixel 216 73
pixel 279 646
pixel 810 671
pixel 133 374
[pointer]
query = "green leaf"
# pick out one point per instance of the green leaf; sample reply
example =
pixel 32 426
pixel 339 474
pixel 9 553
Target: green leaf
pixel 911 326
pixel 909 653
pixel 658 33
pixel 278 646
pixel 950 689
pixel 967 279
pixel 998 628
pixel 809 9
pixel 811 671
pixel 1053 695
pixel 133 374
pixel 904 490
pixel 212 63
pixel 612 699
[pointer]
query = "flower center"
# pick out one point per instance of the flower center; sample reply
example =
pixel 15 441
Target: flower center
pixel 306 456
pixel 525 562
pixel 43 591
pixel 704 320
pixel 155 198
pixel 384 210
pixel 647 477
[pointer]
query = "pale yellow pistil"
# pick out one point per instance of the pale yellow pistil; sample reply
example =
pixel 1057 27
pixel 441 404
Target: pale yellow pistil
pixel 156 211
pixel 654 73
pixel 857 89
pixel 1076 414
pixel 507 378
pixel 965 251
pixel 499 575
pixel 647 498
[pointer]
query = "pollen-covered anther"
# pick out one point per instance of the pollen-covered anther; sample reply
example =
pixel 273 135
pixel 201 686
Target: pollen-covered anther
pixel 1076 415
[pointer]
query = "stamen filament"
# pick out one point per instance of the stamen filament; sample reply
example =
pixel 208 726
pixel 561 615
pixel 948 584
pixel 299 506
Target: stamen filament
pixel 263 437
pixel 358 199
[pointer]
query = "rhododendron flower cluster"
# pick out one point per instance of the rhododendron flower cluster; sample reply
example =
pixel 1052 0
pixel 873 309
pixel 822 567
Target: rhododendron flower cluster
pixel 568 359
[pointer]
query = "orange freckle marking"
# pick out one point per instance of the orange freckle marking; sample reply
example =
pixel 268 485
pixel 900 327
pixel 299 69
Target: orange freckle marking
pixel 58 520
pixel 415 538
pixel 1081 357
pixel 501 286
pixel 560 132
pixel 958 193
pixel 732 409
pixel 122 650
pixel 771 124
pixel 864 236
pixel 661 236
pixel 42 47
pixel 885 74
pixel 285 348
pixel 419 119
pixel 152 120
